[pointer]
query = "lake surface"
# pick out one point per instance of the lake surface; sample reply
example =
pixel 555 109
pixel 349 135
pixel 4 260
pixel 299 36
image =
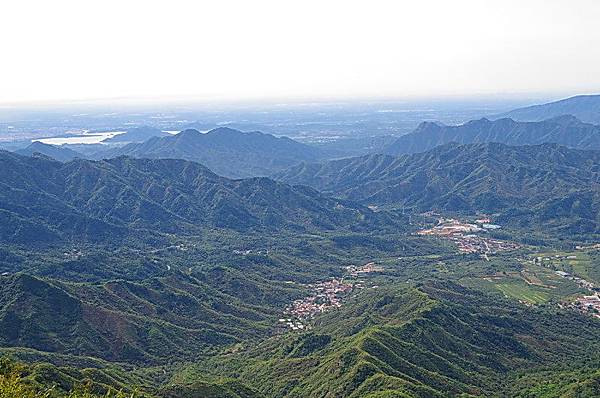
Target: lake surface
pixel 84 138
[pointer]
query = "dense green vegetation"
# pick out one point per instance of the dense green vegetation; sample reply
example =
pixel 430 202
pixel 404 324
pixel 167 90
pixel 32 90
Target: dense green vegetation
pixel 528 186
pixel 44 201
pixel 583 382
pixel 158 278
pixel 172 304
pixel 44 380
pixel 215 305
pixel 438 340
pixel 160 319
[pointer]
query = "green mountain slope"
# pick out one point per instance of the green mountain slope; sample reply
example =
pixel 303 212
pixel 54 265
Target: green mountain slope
pixel 222 389
pixel 439 341
pixel 160 319
pixel 558 383
pixel 545 183
pixel 44 201
pixel 44 380
pixel 563 130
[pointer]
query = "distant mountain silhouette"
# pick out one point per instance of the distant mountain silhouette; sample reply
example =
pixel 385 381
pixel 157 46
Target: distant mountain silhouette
pixel 584 107
pixel 137 134
pixel 56 152
pixel 225 151
pixel 564 130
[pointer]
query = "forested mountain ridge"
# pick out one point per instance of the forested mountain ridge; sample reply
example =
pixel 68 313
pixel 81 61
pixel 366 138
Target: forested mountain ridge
pixel 56 152
pixel 164 318
pixel 440 340
pixel 44 200
pixel 564 130
pixel 545 182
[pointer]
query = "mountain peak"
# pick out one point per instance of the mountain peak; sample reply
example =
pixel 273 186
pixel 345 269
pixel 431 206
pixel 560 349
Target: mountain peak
pixel 188 133
pixel 226 151
pixel 224 130
pixel 482 120
pixel 39 145
pixel 564 130
pixel 40 149
pixel 158 195
pixel 429 124
pixel 564 119
pixel 137 134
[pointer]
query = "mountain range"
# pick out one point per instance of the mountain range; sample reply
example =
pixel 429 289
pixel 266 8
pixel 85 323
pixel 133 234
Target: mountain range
pixel 584 107
pixel 440 340
pixel 545 182
pixel 564 130
pixel 145 271
pixel 45 200
pixel 225 151
pixel 57 152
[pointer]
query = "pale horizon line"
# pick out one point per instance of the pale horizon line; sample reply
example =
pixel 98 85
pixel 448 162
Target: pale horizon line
pixel 297 100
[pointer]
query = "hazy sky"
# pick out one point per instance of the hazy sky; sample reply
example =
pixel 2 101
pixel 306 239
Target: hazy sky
pixel 63 49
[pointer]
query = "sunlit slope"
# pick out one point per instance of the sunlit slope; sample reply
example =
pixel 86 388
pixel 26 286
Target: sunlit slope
pixel 440 340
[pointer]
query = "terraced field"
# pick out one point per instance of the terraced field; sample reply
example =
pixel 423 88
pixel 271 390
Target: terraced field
pixel 519 290
pixel 579 263
pixel 534 284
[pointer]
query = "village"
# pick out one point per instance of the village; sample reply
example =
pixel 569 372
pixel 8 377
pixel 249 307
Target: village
pixel 247 252
pixel 365 269
pixel 324 297
pixel 584 304
pixel 465 237
pixel 589 304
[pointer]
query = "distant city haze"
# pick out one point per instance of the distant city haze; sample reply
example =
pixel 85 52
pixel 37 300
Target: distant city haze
pixel 74 50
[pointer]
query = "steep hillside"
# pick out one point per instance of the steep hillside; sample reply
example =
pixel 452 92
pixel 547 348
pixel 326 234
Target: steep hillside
pixel 544 183
pixel 42 201
pixel 439 341
pixel 225 151
pixel 43 380
pixel 56 152
pixel 169 318
pixel 223 389
pixel 583 107
pixel 563 130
